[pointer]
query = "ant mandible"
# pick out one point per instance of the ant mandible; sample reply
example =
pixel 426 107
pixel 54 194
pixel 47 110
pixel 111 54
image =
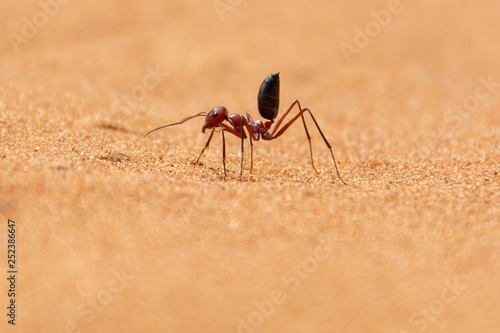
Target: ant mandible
pixel 268 103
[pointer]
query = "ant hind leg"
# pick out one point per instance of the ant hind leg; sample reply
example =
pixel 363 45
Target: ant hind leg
pixel 280 130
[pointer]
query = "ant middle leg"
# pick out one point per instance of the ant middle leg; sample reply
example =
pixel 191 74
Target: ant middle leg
pixel 239 131
pixel 224 153
pixel 242 134
pixel 250 120
pixel 244 123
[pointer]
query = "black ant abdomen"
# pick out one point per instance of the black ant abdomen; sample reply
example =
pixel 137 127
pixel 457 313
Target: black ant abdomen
pixel 269 97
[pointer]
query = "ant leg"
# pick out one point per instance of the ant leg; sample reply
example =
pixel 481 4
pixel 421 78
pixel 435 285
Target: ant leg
pixel 327 144
pixel 301 114
pixel 250 120
pixel 251 153
pixel 278 124
pixel 206 146
pixel 296 102
pixel 242 135
pixel 310 144
pixel 224 152
pixel 242 150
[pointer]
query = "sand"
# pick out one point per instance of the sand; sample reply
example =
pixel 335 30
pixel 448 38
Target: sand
pixel 119 233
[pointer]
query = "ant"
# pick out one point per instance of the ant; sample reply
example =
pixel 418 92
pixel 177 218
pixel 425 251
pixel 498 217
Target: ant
pixel 268 104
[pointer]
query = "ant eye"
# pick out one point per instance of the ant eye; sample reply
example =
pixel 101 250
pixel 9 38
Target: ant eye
pixel 214 114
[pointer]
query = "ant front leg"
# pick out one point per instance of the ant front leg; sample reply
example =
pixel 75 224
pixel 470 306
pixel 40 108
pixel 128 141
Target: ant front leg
pixel 223 149
pixel 206 146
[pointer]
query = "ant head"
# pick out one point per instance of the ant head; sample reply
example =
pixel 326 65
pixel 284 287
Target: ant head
pixel 215 117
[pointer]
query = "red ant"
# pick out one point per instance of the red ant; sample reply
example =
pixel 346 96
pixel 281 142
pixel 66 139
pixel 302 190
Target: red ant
pixel 268 103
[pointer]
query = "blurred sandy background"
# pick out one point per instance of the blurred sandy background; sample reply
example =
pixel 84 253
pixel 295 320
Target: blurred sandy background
pixel 122 234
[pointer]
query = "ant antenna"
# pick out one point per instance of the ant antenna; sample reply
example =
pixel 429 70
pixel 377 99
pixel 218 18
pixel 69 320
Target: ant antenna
pixel 201 114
